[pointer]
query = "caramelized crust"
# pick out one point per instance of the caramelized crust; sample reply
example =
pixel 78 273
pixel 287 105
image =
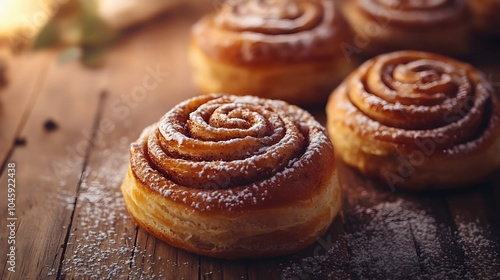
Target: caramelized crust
pixel 383 25
pixel 273 49
pixel 259 33
pixel 417 120
pixel 234 177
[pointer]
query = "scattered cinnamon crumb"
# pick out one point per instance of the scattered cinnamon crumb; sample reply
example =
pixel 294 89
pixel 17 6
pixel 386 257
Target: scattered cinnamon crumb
pixel 20 142
pixel 50 125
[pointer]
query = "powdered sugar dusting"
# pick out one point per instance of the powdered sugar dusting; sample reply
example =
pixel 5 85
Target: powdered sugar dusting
pixel 401 241
pixel 102 236
pixel 407 96
pixel 102 239
pixel 233 148
pixel 94 238
pixel 266 36
pixel 384 246
pixel 481 253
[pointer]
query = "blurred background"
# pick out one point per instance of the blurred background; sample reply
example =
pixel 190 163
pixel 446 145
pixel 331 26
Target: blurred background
pixel 74 51
pixel 85 28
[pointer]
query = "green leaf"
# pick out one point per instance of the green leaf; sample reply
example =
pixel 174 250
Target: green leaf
pixel 93 29
pixel 70 54
pixel 93 56
pixel 47 37
pixel 78 26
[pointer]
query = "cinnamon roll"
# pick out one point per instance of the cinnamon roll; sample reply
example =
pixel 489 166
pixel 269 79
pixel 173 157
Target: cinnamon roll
pixel 417 120
pixel 278 49
pixel 441 26
pixel 485 14
pixel 234 177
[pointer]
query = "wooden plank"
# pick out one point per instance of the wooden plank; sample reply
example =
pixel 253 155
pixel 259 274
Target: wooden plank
pixel 388 235
pixel 102 229
pixel 101 240
pixel 439 253
pixel 389 231
pixel 327 258
pixel 210 268
pixel 378 227
pixel 49 166
pixel 158 259
pixel 25 75
pixel 475 210
pixel 477 230
pixel 495 189
pixel 237 269
pixel 154 260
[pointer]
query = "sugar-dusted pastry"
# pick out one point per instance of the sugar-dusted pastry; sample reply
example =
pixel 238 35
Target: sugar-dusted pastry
pixel 279 49
pixel 441 26
pixel 417 120
pixel 234 177
pixel 486 14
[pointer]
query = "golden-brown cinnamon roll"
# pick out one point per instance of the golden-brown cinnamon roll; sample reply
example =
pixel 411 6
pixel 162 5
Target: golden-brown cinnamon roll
pixel 441 26
pixel 486 15
pixel 278 49
pixel 234 177
pixel 417 120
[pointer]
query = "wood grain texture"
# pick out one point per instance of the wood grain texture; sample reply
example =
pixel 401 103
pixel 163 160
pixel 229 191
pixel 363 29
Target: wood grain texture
pixel 49 164
pixel 135 98
pixel 25 75
pixel 73 223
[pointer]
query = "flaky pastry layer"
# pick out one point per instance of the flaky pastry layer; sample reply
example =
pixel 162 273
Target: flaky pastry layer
pixel 417 121
pixel 290 50
pixel 435 26
pixel 234 177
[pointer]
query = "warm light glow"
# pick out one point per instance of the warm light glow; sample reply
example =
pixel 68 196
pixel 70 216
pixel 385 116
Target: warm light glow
pixel 28 14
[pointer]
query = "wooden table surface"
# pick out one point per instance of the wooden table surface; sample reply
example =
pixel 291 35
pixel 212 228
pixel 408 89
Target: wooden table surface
pixel 67 128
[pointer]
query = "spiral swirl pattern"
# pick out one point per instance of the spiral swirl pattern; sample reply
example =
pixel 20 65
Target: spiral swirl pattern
pixel 404 96
pixel 271 17
pixel 418 121
pixel 255 32
pixel 230 150
pixel 422 13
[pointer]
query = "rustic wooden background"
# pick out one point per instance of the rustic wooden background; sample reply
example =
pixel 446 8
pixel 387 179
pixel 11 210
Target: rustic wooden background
pixel 68 128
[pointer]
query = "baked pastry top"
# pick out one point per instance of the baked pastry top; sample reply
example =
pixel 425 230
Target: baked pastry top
pixel 441 26
pixel 418 120
pixel 234 177
pixel 272 49
pixel 260 33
